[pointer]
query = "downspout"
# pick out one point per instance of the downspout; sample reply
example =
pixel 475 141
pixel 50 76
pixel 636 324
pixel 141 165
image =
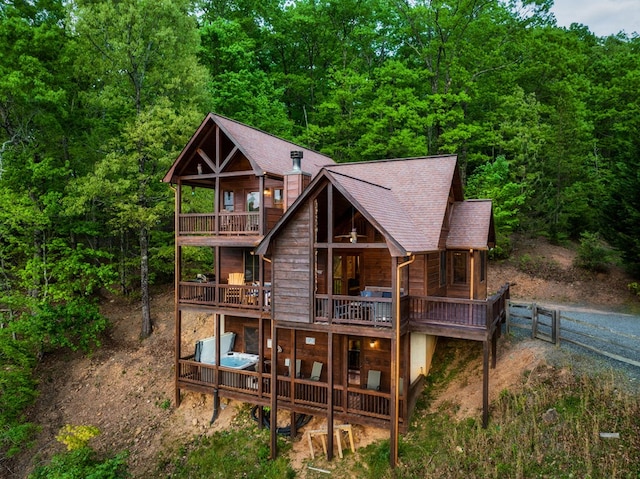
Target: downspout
pixel 396 372
pixel 472 293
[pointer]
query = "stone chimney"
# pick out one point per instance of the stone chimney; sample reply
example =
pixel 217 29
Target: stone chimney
pixel 296 180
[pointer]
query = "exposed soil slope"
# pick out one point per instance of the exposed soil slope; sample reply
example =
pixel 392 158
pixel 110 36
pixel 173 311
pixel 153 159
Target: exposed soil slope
pixel 126 387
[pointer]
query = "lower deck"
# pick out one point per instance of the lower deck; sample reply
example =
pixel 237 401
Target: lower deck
pixel 354 404
pixel 330 365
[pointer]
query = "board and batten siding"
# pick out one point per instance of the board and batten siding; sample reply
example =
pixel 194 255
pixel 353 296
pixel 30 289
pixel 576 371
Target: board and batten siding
pixel 292 270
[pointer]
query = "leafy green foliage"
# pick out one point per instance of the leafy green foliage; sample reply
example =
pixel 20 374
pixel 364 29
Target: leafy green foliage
pixel 493 181
pixel 593 255
pixel 83 463
pixel 76 437
pixel 17 391
pixel 76 324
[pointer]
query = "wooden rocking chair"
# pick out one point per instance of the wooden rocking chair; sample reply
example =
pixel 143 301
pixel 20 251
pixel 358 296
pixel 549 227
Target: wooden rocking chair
pixel 234 295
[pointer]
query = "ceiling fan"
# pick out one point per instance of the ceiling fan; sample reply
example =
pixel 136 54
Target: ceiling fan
pixel 353 234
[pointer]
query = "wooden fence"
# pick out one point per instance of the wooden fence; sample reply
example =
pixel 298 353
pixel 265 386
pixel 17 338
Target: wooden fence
pixel 555 326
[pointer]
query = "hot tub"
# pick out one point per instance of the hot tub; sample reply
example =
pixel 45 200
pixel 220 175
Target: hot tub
pixel 235 360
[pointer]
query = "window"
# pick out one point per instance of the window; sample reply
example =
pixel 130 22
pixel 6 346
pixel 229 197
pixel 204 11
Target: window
pixel 253 201
pixel 353 358
pixel 443 269
pixel 251 271
pixel 460 268
pixel 250 340
pixel 278 196
pixel 228 200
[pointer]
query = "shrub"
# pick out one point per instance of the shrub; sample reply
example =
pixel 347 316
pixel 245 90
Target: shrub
pixel 81 464
pixel 17 391
pixel 76 324
pixel 76 437
pixel 593 255
pixel 80 461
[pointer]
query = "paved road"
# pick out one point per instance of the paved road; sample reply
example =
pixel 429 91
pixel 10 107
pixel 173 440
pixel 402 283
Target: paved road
pixel 615 336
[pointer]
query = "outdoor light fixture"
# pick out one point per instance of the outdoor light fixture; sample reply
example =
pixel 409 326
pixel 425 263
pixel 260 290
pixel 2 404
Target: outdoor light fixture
pixel 353 234
pixel 199 168
pixel 372 343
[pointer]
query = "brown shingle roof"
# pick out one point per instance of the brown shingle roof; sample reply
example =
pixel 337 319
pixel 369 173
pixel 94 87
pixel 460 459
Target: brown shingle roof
pixel 266 153
pixel 407 198
pixel 471 225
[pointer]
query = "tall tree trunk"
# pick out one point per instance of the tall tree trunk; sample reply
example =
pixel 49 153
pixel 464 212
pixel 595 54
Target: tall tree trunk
pixel 144 282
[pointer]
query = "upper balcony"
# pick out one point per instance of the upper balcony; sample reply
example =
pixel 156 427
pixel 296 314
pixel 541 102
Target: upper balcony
pixel 248 297
pixel 237 212
pixel 243 223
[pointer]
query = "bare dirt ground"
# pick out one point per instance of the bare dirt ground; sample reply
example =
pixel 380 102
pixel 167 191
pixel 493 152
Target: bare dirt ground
pixel 126 387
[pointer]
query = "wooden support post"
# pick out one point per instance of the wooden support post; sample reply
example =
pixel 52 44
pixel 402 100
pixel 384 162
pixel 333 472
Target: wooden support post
pixel 274 391
pixel 485 383
pixel 260 417
pixel 330 396
pixel 178 326
pixel 494 349
pixel 176 291
pixel 294 429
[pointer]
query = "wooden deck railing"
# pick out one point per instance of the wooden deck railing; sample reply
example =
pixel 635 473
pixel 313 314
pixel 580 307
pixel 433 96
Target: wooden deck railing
pixel 429 310
pixel 237 380
pixel 312 394
pixel 241 223
pixel 355 310
pixel 457 312
pixel 225 295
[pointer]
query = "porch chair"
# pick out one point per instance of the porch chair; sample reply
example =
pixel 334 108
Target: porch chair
pixel 316 371
pixel 234 295
pixel 298 368
pixel 373 380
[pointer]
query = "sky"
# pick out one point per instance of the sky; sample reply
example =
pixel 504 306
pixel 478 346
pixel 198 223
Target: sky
pixel 603 17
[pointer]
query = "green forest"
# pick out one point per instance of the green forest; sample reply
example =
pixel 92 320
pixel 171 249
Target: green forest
pixel 98 97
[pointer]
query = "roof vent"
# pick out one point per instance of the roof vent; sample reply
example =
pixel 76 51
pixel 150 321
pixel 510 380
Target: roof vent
pixel 296 156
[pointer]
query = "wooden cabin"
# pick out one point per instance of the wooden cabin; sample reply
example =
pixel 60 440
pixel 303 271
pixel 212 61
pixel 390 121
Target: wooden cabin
pixel 325 298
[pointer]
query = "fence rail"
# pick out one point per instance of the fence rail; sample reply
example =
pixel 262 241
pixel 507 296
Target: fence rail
pixel 556 326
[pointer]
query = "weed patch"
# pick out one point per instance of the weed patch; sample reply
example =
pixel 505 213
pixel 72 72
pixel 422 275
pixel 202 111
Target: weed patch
pixel 240 451
pixel 547 426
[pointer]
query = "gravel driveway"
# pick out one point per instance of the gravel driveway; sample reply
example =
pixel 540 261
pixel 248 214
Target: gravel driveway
pixel 613 338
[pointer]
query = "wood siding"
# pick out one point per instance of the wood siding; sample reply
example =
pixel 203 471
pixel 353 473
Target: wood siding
pixel 291 288
pixel 376 268
pixel 433 276
pixel 231 261
pixel 479 285
pixel 417 276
